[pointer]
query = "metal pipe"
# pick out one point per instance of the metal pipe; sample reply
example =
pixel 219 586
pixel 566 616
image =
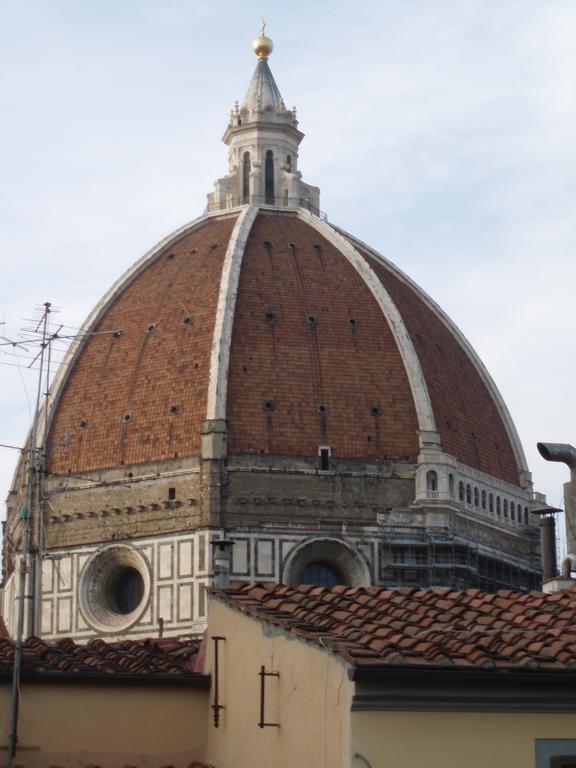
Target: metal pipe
pixel 216 706
pixel 262 673
pixel 563 452
pixel 566 454
pixel 15 698
pixel 548 546
pixel 26 516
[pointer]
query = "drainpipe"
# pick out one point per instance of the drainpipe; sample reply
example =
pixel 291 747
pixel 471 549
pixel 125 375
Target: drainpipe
pixel 566 454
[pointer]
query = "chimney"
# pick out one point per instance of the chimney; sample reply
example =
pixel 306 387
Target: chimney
pixel 222 559
pixel 566 454
pixel 548 541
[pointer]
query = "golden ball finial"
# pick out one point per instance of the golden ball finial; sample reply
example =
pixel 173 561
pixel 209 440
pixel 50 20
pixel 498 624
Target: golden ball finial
pixel 262 46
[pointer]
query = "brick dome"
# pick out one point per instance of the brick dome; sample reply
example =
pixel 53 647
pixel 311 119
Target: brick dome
pixel 263 396
pixel 293 333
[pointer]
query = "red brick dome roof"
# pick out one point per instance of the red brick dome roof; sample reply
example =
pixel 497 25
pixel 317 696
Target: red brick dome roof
pixel 292 332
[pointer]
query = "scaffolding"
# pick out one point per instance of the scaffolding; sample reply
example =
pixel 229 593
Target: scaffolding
pixel 438 556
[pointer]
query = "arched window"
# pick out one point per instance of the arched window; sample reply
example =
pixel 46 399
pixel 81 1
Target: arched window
pixel 461 490
pixel 512 510
pixel 451 484
pixel 269 178
pixel 289 162
pixel 525 515
pixel 491 502
pixel 484 500
pixel 468 495
pixel 505 507
pixel 476 498
pixel 322 573
pixel 498 507
pixel 246 169
pixel 431 481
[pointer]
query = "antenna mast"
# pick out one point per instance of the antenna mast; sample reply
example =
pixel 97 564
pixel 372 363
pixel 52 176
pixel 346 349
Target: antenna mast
pixel 26 607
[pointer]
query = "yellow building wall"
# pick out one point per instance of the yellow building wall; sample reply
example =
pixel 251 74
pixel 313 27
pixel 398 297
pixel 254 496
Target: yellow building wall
pixel 311 699
pixel 463 740
pixel 107 725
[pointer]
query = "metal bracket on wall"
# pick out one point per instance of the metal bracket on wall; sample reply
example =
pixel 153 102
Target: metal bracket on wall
pixel 263 675
pixel 216 706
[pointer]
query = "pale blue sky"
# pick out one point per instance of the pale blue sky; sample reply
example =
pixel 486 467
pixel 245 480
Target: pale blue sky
pixel 439 131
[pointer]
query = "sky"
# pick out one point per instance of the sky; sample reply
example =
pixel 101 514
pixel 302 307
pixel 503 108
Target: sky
pixel 441 132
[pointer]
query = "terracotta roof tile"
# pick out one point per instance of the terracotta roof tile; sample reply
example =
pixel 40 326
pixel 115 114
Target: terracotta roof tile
pixel 422 628
pixel 129 765
pixel 153 657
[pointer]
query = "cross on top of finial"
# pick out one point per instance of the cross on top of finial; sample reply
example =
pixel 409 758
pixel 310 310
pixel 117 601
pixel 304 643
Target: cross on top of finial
pixel 262 46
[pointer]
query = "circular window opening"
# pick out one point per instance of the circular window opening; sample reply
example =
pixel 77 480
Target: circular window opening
pixel 322 573
pixel 125 590
pixel 114 588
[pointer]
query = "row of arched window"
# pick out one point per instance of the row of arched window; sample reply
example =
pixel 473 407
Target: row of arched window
pixel 268 176
pixel 484 500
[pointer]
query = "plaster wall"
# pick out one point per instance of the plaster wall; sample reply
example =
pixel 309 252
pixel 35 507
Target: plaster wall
pixel 109 726
pixel 310 699
pixel 471 739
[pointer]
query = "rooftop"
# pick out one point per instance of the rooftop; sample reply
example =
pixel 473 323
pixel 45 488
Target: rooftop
pixel 157 659
pixel 422 629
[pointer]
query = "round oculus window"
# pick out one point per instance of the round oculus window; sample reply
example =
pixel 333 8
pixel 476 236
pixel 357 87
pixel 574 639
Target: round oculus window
pixel 125 590
pixel 114 588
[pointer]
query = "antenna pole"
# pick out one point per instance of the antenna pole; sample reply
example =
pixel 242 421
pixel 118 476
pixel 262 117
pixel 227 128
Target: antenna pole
pixel 26 601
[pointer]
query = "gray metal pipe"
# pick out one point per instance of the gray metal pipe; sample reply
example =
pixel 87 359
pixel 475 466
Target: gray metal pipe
pixel 563 452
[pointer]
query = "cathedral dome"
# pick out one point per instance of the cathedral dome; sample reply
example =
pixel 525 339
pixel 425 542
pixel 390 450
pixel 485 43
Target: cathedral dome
pixel 266 397
pixel 294 333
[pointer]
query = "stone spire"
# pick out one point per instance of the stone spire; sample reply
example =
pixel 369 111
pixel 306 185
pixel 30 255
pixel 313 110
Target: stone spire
pixel 263 94
pixel 263 139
